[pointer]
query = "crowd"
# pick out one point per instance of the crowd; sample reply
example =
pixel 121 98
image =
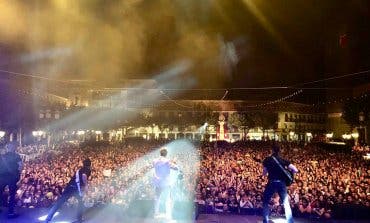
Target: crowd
pixel 219 178
pixel 232 178
pixel 361 148
pixel 32 149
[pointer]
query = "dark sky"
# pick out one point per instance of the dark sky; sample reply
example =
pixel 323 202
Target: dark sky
pixel 310 32
pixel 276 42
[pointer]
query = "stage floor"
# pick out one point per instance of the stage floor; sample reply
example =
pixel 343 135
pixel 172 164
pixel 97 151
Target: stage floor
pixel 112 215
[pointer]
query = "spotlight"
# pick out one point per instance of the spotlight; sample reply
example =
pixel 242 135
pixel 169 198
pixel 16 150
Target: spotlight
pixel 43 218
pixel 279 220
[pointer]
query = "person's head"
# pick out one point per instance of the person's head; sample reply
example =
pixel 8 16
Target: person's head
pixel 275 149
pixel 87 163
pixel 163 152
pixel 304 201
pixel 349 199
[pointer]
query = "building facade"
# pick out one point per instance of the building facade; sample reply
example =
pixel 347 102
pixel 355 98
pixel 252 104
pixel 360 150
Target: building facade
pixel 193 119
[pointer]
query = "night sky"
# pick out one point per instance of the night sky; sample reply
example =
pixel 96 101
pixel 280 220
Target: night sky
pixel 229 43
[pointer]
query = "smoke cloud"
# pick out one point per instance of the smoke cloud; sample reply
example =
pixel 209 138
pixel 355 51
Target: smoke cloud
pixel 109 40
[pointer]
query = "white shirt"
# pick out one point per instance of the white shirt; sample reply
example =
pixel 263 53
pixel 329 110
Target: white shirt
pixel 162 171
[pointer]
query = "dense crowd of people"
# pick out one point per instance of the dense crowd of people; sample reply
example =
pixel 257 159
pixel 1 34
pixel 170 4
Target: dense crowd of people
pixel 233 177
pixel 361 148
pixel 219 178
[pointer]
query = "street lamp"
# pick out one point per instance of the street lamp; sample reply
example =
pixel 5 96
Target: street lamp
pixel 355 137
pixel 309 136
pixel 361 119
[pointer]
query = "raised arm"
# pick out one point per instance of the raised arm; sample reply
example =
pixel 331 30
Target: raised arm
pixel 173 165
pixel 85 182
pixel 264 172
pixel 20 164
pixel 293 168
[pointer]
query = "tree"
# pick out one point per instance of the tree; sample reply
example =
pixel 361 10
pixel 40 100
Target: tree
pixel 351 114
pixel 243 120
pixel 212 117
pixel 205 114
pixel 268 120
pixel 352 109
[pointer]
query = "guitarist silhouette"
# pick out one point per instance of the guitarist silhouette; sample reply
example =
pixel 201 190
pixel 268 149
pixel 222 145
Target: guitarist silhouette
pixel 274 166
